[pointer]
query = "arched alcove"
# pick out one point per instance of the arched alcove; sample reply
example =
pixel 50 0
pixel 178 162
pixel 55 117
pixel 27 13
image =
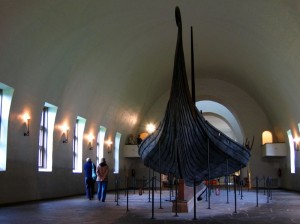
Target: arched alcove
pixel 267 137
pixel 222 118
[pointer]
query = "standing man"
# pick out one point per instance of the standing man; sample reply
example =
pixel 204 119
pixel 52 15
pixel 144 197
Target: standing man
pixel 88 179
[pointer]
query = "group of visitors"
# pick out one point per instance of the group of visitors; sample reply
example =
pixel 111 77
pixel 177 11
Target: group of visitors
pixel 97 174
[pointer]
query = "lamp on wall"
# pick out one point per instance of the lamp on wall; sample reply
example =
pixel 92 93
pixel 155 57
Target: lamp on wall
pixel 26 119
pixel 65 135
pixel 150 128
pixel 297 143
pixel 108 144
pixel 90 140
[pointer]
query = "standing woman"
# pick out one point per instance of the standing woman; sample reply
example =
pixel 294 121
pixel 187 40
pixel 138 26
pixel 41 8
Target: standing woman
pixel 102 179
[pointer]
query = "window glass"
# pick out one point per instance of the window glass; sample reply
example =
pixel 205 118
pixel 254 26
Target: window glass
pixel 117 147
pixel 43 139
pixel 77 144
pixel 292 151
pixel 100 143
pixel 45 157
pixel 6 94
pixel 1 96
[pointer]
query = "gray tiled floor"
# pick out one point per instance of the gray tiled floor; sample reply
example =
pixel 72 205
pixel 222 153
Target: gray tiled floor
pixel 283 208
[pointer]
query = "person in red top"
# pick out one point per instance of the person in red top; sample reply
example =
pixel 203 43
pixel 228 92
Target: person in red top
pixel 102 179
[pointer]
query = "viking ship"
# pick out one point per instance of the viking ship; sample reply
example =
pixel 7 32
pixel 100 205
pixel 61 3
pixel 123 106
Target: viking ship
pixel 185 144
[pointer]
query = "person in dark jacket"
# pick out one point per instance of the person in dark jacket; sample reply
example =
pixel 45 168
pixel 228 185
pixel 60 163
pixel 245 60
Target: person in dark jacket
pixel 88 179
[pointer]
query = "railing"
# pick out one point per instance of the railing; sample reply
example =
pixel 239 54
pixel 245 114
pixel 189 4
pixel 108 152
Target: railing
pixel 262 186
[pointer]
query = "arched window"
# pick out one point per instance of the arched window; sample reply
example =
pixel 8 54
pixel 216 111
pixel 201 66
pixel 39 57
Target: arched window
pixel 6 94
pixel 46 137
pixel 292 151
pixel 267 137
pixel 77 144
pixel 100 143
pixel 117 148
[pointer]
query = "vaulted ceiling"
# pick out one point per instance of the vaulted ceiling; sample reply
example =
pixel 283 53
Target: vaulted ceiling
pixel 110 61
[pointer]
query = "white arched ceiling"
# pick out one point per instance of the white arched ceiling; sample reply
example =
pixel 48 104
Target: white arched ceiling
pixel 111 61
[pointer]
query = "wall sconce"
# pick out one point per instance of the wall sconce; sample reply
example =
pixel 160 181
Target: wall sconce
pixel 90 139
pixel 26 119
pixel 297 143
pixel 65 135
pixel 108 144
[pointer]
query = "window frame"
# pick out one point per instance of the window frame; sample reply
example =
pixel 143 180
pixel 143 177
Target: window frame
pixel 117 152
pixel 1 100
pixel 46 131
pixel 6 99
pixel 75 146
pixel 43 139
pixel 78 144
pixel 100 144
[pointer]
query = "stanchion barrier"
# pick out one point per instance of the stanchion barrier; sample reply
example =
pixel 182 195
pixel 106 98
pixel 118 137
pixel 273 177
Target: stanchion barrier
pixel 133 184
pixel 270 188
pixel 160 191
pixel 227 182
pixel 264 185
pixel 117 189
pixel 209 194
pixel 126 184
pixel 194 200
pixel 256 191
pixel 144 181
pixel 170 183
pixel 208 178
pixel 152 197
pixel 263 182
pixel 149 182
pixel 127 197
pixel 268 192
pixel 238 184
pixel 172 187
pixel 241 184
pixel 234 186
pixel 206 193
pixel 176 197
pixel 152 177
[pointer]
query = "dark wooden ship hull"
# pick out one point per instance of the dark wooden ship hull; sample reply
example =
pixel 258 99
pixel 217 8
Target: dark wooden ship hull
pixel 185 144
